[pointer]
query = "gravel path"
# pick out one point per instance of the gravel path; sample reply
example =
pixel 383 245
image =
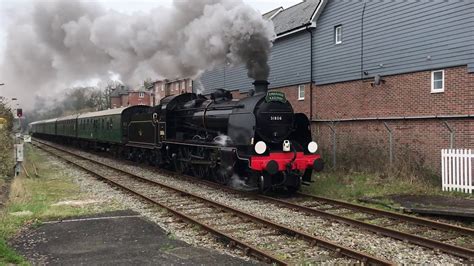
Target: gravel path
pixel 382 247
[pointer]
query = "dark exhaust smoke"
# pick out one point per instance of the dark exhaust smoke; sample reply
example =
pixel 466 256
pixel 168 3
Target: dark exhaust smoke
pixel 55 44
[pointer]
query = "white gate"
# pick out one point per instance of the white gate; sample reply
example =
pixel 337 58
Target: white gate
pixel 456 170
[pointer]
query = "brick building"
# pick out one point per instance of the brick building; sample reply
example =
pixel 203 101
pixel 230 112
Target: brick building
pixel 123 96
pixel 162 88
pixel 374 76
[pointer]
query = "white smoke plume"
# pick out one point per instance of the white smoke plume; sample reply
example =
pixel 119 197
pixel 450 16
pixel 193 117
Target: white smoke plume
pixel 223 140
pixel 54 44
pixel 238 182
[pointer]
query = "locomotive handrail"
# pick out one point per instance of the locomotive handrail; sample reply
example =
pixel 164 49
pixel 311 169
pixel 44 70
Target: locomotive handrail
pixel 214 108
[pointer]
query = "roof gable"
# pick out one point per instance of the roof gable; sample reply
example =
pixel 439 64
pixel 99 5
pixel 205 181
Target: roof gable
pixel 296 16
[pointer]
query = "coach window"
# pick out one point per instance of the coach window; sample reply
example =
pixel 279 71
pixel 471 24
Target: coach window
pixel 338 34
pixel 300 92
pixel 437 81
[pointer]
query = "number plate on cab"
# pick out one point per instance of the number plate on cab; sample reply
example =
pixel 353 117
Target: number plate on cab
pixel 275 96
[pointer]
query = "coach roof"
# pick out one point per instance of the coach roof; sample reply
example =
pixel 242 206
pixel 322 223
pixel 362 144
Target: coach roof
pixel 44 121
pixel 107 112
pixel 68 117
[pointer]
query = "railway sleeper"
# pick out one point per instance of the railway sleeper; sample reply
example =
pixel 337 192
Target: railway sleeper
pixel 192 207
pixel 203 216
pixel 220 222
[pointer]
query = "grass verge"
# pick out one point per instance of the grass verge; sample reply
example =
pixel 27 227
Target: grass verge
pixel 351 186
pixel 33 200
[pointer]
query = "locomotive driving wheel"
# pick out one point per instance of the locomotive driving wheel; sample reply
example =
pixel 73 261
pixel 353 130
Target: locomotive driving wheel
pixel 181 161
pixel 220 178
pixel 201 171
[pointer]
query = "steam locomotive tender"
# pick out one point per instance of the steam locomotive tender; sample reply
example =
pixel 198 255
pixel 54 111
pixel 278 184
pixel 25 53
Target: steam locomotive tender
pixel 257 142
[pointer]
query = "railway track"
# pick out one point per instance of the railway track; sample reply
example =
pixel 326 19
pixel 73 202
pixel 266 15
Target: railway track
pixel 439 236
pixel 448 238
pixel 262 238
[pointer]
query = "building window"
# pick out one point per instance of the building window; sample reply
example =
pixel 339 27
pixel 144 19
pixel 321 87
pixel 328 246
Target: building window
pixel 437 81
pixel 300 92
pixel 141 95
pixel 184 85
pixel 163 87
pixel 338 34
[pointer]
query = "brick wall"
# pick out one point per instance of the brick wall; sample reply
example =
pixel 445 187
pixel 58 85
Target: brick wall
pixel 421 140
pixel 138 98
pixel 291 93
pixel 115 101
pixel 166 88
pixel 401 95
pixel 159 91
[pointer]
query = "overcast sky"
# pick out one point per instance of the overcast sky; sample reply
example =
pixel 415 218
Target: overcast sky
pixel 128 6
pixel 11 8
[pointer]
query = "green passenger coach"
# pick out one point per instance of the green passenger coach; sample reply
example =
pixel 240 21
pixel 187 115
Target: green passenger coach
pixel 66 126
pixel 101 126
pixel 99 130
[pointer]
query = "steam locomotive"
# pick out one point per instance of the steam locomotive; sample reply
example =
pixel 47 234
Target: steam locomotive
pixel 257 141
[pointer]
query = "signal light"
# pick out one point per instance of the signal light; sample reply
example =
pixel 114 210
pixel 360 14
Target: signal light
pixel 19 112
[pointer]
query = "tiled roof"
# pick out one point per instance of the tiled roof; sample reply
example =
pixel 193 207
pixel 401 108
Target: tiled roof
pixel 271 13
pixel 121 90
pixel 295 16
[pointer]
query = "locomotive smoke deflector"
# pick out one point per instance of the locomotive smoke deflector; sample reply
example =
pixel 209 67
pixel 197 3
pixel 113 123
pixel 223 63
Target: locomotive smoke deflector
pixel 261 86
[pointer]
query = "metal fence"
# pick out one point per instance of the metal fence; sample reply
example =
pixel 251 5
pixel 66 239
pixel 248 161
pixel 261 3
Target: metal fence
pixel 456 170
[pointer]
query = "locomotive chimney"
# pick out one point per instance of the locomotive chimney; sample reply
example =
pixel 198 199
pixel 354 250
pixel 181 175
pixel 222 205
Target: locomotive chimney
pixel 261 86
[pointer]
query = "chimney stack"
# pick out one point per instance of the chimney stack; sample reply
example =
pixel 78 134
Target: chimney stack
pixel 261 86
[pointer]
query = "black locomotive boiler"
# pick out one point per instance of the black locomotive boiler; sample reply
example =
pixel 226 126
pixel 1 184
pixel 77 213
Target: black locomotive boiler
pixel 258 140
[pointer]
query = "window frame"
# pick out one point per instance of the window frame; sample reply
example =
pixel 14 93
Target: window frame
pixel 141 95
pixel 336 28
pixel 443 87
pixel 299 92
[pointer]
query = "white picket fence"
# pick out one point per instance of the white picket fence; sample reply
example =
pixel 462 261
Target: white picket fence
pixel 456 169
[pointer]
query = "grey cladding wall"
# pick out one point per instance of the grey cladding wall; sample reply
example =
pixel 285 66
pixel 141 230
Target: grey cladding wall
pixel 289 65
pixel 397 37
